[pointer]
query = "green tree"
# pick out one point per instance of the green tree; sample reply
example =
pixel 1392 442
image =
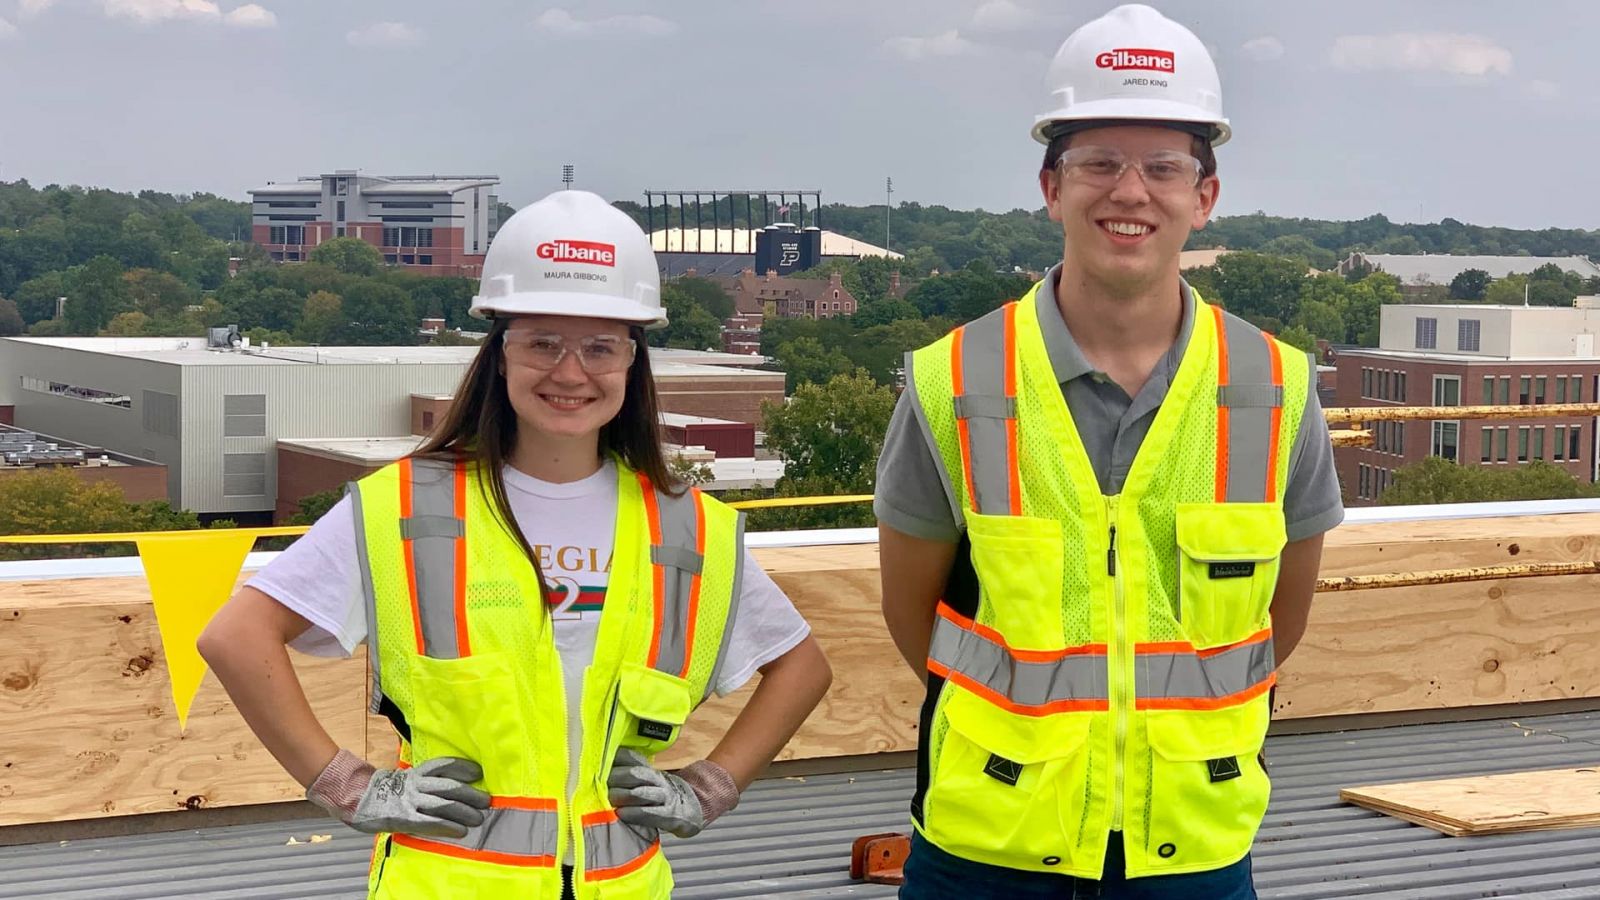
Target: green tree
pixel 1321 319
pixel 375 314
pixel 36 298
pixel 806 361
pixel 882 312
pixel 128 324
pixel 1256 286
pixel 689 325
pixel 96 293
pixel 349 255
pixel 708 295
pixel 314 506
pixel 881 349
pixel 1435 480
pixel 1507 291
pixel 11 323
pixel 1469 285
pixel 159 294
pixel 54 501
pixel 321 314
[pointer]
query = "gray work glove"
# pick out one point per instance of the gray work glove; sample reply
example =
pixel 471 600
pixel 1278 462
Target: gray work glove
pixel 434 799
pixel 681 804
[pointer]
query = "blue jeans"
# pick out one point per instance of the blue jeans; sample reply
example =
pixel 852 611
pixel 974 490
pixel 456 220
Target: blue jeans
pixel 932 874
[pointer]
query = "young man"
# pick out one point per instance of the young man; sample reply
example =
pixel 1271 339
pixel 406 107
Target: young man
pixel 1101 513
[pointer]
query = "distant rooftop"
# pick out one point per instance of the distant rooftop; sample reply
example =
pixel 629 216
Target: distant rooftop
pixel 1438 268
pixel 383 184
pixel 376 451
pixel 743 240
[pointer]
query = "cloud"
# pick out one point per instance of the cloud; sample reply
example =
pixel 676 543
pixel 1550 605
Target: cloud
pixel 7 29
pixel 1001 15
pixel 1263 49
pixel 251 15
pixel 950 43
pixel 151 11
pixel 1453 54
pixel 27 9
pixel 559 21
pixel 385 34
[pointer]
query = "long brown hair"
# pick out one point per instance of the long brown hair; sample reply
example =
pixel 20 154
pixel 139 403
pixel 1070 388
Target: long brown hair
pixel 481 426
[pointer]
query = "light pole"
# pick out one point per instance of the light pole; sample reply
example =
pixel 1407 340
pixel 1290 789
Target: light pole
pixel 566 177
pixel 888 192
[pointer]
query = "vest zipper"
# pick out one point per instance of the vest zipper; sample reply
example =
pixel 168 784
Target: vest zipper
pixel 1115 660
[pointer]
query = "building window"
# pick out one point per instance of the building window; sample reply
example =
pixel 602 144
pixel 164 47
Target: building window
pixel 1363 481
pixel 1504 397
pixel 1486 441
pixel 1385 385
pixel 339 231
pixel 1559 445
pixel 1522 443
pixel 1488 389
pixel 1575 442
pixel 1467 331
pixel 77 392
pixel 1400 438
pixel 427 420
pixel 244 415
pixel 407 236
pixel 1525 396
pixel 1502 443
pixel 1538 442
pixel 1444 439
pixel 1561 389
pixel 286 234
pixel 341 210
pixel 391 258
pixel 1400 389
pixel 1446 390
pixel 1427 334
pixel 1538 388
pixel 1366 382
pixel 244 474
pixel 1577 389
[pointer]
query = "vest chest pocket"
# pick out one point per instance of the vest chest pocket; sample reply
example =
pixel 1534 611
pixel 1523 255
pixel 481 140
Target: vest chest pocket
pixel 471 708
pixel 1018 561
pixel 1227 569
pixel 1005 780
pixel 651 708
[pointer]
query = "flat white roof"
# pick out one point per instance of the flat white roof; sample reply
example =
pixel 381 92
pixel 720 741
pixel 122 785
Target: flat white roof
pixel 670 418
pixel 191 351
pixel 377 450
pixel 1431 356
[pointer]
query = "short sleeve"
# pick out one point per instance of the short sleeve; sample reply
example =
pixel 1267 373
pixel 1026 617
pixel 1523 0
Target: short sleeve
pixel 319 577
pixel 1312 502
pixel 911 494
pixel 765 627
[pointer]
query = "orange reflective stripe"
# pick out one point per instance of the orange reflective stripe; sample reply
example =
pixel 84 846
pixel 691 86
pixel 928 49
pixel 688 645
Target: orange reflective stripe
pixel 658 577
pixel 629 867
pixel 411 562
pixel 1014 475
pixel 1264 634
pixel 1277 420
pixel 598 848
pixel 958 381
pixel 536 861
pixel 985 631
pixel 1222 411
pixel 533 804
pixel 463 642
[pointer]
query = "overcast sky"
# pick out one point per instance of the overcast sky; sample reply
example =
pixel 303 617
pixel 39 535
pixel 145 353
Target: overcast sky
pixel 1487 112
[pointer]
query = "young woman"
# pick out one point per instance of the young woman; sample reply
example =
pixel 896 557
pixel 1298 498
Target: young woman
pixel 542 605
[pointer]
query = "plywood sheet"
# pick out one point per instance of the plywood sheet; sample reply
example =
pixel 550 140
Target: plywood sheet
pixel 1491 804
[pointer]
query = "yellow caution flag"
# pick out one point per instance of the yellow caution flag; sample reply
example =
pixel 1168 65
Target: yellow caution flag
pixel 191 574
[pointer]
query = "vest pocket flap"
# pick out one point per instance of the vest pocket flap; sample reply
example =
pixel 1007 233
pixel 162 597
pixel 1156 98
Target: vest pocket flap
pixel 1018 738
pixel 1231 532
pixel 1195 735
pixel 653 696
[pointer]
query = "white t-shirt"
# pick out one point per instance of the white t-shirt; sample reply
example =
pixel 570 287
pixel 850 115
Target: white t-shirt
pixel 570 527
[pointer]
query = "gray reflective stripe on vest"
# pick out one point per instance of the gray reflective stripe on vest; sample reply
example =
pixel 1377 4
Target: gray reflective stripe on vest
pixel 984 406
pixel 514 832
pixel 680 560
pixel 1072 678
pixel 1250 398
pixel 610 845
pixel 733 606
pixel 369 596
pixel 1181 676
pixel 433 553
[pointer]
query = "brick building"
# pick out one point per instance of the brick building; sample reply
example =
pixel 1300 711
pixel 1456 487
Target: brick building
pixel 787 297
pixel 428 224
pixel 1471 355
pixel 27 451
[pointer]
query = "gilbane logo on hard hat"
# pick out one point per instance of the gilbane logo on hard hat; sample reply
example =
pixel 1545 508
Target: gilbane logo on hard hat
pixel 1153 60
pixel 572 251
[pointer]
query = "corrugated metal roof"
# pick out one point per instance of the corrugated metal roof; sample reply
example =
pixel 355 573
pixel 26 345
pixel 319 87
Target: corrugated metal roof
pixel 791 836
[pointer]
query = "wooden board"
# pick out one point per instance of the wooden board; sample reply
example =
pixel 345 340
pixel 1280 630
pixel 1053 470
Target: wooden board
pixel 87 725
pixel 1490 804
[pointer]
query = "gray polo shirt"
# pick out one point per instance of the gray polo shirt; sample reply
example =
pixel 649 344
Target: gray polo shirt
pixel 911 496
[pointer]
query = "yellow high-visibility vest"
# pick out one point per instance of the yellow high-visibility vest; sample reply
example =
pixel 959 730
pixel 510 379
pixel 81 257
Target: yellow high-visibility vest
pixel 463 660
pixel 1113 675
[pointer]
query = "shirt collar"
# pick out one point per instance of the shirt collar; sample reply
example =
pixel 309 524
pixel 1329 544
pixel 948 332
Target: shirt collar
pixel 1066 357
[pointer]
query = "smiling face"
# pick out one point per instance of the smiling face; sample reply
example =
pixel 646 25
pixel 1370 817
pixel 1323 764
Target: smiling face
pixel 565 401
pixel 1126 235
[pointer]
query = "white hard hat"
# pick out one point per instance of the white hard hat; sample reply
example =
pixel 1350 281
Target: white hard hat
pixel 1134 64
pixel 571 254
